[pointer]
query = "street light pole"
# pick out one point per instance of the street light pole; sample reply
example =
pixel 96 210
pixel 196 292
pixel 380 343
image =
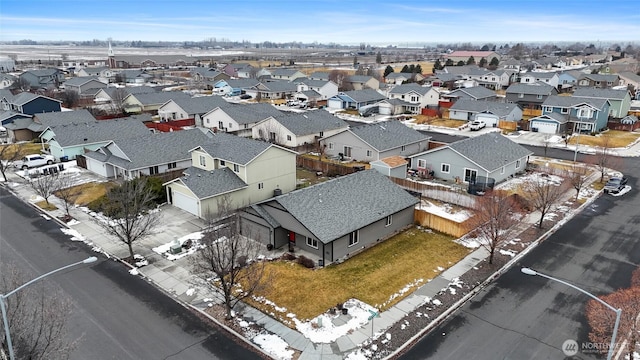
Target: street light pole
pixel 3 297
pixel 617 311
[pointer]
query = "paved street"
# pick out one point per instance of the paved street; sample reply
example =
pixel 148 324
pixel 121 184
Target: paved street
pixel 115 315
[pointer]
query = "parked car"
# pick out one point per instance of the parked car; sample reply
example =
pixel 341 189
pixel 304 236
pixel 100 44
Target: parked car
pixel 245 96
pixel 34 160
pixel 615 184
pixel 477 125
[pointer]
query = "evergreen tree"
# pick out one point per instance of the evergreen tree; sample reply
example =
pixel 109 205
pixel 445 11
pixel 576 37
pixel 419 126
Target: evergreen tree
pixel 388 70
pixel 460 63
pixel 378 58
pixel 471 61
pixel 449 62
pixel 437 66
pixel 493 64
pixel 405 69
pixel 418 69
pixel 411 69
pixel 482 63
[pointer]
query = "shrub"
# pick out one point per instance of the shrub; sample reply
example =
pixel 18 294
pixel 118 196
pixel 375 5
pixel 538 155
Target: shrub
pixel 306 262
pixel 288 256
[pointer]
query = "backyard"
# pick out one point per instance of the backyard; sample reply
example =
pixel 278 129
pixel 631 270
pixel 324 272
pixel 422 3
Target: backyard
pixel 380 276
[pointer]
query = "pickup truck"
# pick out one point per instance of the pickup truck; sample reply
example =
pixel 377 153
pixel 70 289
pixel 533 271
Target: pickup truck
pixel 477 125
pixel 34 160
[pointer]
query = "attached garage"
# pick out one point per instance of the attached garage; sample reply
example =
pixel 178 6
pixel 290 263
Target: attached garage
pixel 544 127
pixel 552 123
pixel 335 103
pixel 489 119
pixel 184 202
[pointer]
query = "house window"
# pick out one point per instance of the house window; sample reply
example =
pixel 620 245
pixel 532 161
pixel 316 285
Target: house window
pixel 526 80
pixel 539 96
pixel 260 134
pixel 403 148
pixel 223 163
pixel 422 164
pixel 354 238
pixel 548 109
pixel 220 125
pixel 330 146
pixel 347 151
pixel 203 161
pixel 288 137
pixel 260 186
pixel 520 96
pixel 236 167
pixel 312 242
pixel 153 170
pixel 517 164
pixel 470 175
pixel 208 122
pixel 272 136
pixel 388 221
pixel 584 113
pixel 414 99
pixel 368 152
pixel 564 110
pixel 445 168
pixel 230 125
pixel 172 165
pixel 246 126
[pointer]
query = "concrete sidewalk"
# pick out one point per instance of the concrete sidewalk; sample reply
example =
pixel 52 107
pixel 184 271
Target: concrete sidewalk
pixel 175 277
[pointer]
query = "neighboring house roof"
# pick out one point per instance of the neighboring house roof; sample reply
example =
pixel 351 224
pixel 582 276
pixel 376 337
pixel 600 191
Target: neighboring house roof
pixel 251 113
pixel 491 107
pixel 476 92
pixel 394 161
pixel 388 135
pixel 8 114
pixel 159 97
pixel 241 83
pixel 6 94
pixel 311 94
pixel 43 72
pixel 311 122
pixel 538 88
pixel 57 118
pixel 322 75
pixel 200 105
pixel 337 207
pixel 98 131
pixel 601 93
pixel 279 86
pixel 283 72
pixel 445 77
pixel 629 119
pixel 311 83
pixel 26 97
pixel 396 75
pixel 540 74
pixel 490 151
pixel 476 54
pixel 359 78
pixel 205 184
pixel 95 70
pixel 234 148
pixel 81 80
pixel 570 101
pixel 23 123
pixel 365 95
pixel 153 149
pixel 560 118
pixel 600 77
pixel 630 76
pixel 407 88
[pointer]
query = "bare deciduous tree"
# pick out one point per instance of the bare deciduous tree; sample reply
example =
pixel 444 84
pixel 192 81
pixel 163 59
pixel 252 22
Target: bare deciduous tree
pixel 340 77
pixel 129 207
pixel 578 177
pixel 542 195
pixel 495 213
pixel 71 98
pixel 602 319
pixel 8 154
pixel 67 191
pixel 603 159
pixel 229 255
pixel 117 100
pixel 46 185
pixel 37 317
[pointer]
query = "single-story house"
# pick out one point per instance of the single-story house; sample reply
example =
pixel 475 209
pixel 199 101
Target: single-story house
pixel 150 102
pixel 375 141
pixel 298 130
pixel 27 129
pixel 286 74
pixel 276 89
pixel 354 99
pixel 189 108
pixel 471 93
pixel 398 78
pixel 84 85
pixel 233 86
pixel 333 220
pixel 491 155
pixel 326 89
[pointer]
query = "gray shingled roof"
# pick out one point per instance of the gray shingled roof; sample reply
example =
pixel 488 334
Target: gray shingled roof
pixel 241 83
pixel 560 118
pixel 56 118
pixel 205 184
pixel 539 88
pixel 6 94
pixel 200 105
pixel 279 86
pixel 491 107
pixel 600 77
pixel 311 122
pixel 283 72
pixel 364 95
pixel 322 75
pixel 340 206
pixel 601 93
pixel 395 75
pixel 540 74
pixel 359 78
pixel 233 148
pixel 154 149
pixel 388 135
pixel 476 92
pixel 97 131
pixel 25 97
pixel 20 123
pixel 251 113
pixel 43 72
pixel 81 80
pixel 8 114
pixel 311 83
pixel 490 151
pixel 407 88
pixel 159 98
pixel 570 101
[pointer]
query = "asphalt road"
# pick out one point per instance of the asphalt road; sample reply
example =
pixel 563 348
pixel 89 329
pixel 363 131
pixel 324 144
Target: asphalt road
pixel 115 315
pixel 524 317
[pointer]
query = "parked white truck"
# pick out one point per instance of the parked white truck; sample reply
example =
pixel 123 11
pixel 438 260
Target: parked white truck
pixel 477 125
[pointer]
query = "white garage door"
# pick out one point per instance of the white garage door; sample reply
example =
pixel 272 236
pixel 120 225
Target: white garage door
pixel 489 119
pixel 544 127
pixel 334 103
pixel 185 202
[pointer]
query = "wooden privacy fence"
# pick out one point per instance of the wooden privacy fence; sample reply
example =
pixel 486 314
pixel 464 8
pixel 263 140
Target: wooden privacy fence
pixel 328 169
pixel 440 224
pixel 459 197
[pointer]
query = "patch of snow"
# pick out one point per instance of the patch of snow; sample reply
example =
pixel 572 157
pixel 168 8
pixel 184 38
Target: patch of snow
pixel 507 253
pixel 444 211
pixel 134 271
pixel 243 324
pixel 75 235
pixel 73 222
pixel 402 291
pixel 274 345
pixel 191 291
pixel 436 302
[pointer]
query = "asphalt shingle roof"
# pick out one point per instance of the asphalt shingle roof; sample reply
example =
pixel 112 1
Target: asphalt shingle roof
pixel 538 88
pixel 81 80
pixel 497 108
pixel 25 97
pixel 601 93
pixel 560 118
pixel 251 113
pixel 311 122
pixel 570 101
pixel 233 148
pixel 490 151
pixel 407 88
pixel 279 86
pixel 340 206
pixel 159 97
pixel 97 131
pixel 200 105
pixel 57 118
pixel 364 95
pixel 476 92
pixel 205 184
pixel 388 135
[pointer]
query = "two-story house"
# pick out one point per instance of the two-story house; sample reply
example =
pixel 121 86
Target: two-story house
pixel 30 104
pixel 189 108
pixel 84 85
pixel 43 78
pixel 239 119
pixel 491 79
pixel 244 171
pixel 598 80
pixel 238 70
pixel 549 78
pixel 530 96
pixel 620 100
pixel 298 130
pixel 325 88
pixel 581 114
pixel 417 97
pixel 286 74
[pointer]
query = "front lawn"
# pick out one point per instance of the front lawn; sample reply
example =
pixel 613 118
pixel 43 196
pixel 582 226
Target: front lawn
pixel 610 139
pixel 376 276
pixel 8 151
pixel 91 191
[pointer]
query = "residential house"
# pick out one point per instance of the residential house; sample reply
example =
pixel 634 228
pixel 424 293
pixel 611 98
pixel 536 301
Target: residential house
pixel 111 94
pixel 238 70
pixel 310 97
pixel 417 96
pixel 492 112
pixel 8 116
pixel 242 170
pixel 319 75
pixel 286 74
pixel 233 87
pixel 333 220
pixel 325 88
pixel 30 104
pixel 397 78
pixel 73 139
pixel 298 130
pixel 278 89
pixel 103 73
pixel 150 102
pixel 84 85
pixel 145 154
pixel 567 80
pixel 471 93
pixel 27 129
pixel 448 81
pixel 354 99
pixel 550 123
pixel 490 155
pixel 598 80
pixel 392 166
pixel 583 114
pixel 529 96
pixel 491 79
pixel 375 141
pixel 549 78
pixel 619 100
pixel 134 76
pixel 628 78
pixel 360 82
pixel 210 75
pixel 239 119
pixel 189 108
pixel 43 78
pixel 6 80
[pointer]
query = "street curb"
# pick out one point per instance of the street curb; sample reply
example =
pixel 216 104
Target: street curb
pixel 442 317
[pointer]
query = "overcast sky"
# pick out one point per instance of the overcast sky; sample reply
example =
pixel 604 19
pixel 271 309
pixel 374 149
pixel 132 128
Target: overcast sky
pixel 338 21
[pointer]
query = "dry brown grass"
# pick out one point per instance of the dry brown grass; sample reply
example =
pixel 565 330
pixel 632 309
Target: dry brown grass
pixel 45 206
pixel 22 150
pixel 426 66
pixel 447 123
pixel 332 161
pixel 309 177
pixel 92 191
pixel 610 139
pixel 372 276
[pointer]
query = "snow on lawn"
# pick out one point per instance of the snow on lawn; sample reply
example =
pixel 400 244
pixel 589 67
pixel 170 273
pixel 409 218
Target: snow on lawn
pixel 512 184
pixel 471 242
pixel 164 250
pixel 445 211
pixel 274 345
pixel 407 288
